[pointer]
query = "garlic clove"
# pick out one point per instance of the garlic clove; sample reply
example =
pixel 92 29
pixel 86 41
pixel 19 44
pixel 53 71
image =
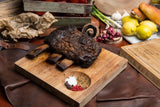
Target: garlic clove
pixel 116 16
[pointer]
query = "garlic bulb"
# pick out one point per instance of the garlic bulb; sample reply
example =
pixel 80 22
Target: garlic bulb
pixel 116 16
pixel 125 14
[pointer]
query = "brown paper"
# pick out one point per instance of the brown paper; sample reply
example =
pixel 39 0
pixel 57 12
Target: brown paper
pixel 26 25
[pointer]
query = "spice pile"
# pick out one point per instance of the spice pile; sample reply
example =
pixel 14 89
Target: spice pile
pixel 71 83
pixel 78 83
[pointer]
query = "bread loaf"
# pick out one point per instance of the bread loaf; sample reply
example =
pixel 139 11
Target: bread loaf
pixel 151 12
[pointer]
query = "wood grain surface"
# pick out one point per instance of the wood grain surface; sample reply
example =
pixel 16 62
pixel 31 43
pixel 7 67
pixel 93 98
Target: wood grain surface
pixel 111 6
pixel 105 68
pixel 145 57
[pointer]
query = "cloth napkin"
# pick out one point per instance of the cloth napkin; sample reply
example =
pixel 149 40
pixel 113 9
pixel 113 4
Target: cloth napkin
pixel 128 89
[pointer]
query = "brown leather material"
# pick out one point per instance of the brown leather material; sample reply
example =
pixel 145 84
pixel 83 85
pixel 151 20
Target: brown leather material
pixel 14 45
pixel 128 89
pixel 20 91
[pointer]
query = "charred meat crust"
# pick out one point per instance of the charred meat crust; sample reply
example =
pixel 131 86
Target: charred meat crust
pixel 74 45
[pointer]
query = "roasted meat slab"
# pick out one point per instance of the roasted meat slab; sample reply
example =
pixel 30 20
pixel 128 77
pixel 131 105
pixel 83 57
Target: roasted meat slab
pixel 74 45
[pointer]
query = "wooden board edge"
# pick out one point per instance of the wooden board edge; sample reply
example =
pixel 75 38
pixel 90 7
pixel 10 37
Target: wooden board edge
pixel 145 72
pixel 116 73
pixel 46 86
pixel 79 21
pixel 58 7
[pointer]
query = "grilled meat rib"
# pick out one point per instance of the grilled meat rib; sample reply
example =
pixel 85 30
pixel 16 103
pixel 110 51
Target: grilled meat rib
pixel 74 45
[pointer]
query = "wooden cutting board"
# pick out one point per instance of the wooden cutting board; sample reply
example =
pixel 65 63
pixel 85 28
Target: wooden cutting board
pixel 105 68
pixel 145 57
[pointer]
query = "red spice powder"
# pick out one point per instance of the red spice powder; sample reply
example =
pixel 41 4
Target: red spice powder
pixel 77 88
